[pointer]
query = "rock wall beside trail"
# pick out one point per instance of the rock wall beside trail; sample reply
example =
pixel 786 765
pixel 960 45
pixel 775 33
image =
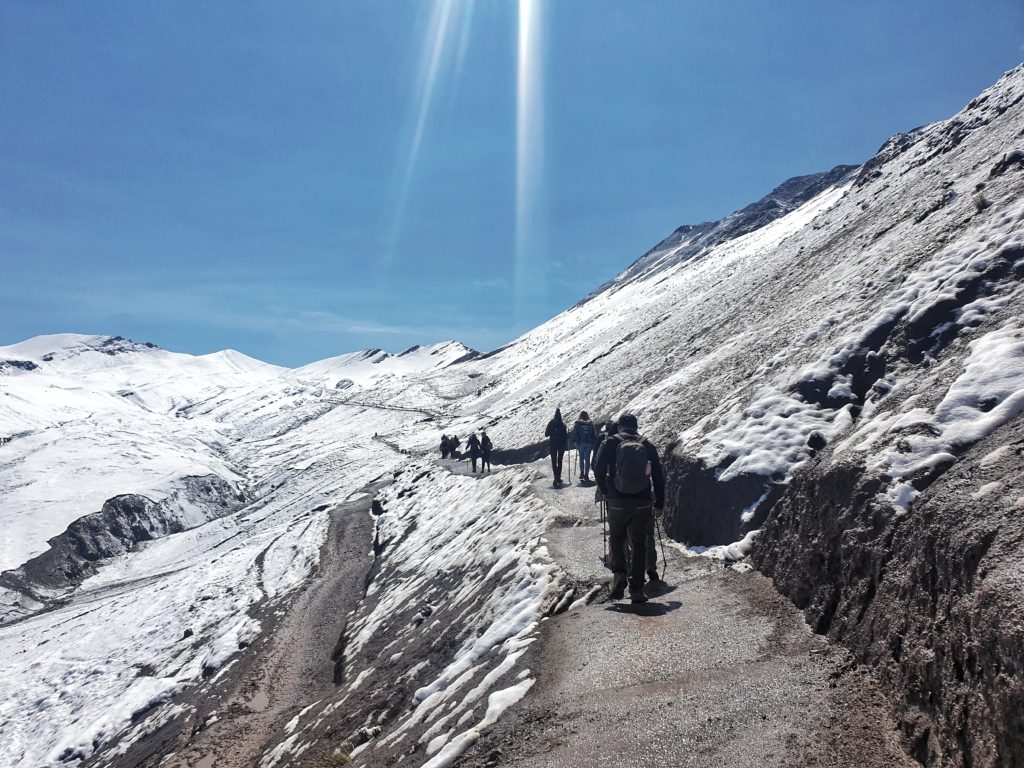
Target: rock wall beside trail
pixel 933 600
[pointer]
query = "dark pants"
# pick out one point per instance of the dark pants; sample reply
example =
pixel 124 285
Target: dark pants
pixel 485 462
pixel 652 554
pixel 473 458
pixel 633 518
pixel 556 461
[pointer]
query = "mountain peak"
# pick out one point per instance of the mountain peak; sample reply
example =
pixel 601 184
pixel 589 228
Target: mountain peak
pixel 61 346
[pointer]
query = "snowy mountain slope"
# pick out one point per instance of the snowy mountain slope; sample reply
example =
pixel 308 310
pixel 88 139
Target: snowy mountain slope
pixel 365 368
pixel 174 611
pixel 738 353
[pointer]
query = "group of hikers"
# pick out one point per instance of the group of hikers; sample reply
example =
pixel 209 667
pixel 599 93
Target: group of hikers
pixel 477 449
pixel 630 482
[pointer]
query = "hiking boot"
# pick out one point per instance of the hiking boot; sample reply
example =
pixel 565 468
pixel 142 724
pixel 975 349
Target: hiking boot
pixel 655 583
pixel 637 595
pixel 618 586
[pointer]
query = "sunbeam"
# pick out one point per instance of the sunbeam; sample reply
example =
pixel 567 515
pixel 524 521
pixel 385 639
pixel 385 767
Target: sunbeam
pixel 529 142
pixel 434 54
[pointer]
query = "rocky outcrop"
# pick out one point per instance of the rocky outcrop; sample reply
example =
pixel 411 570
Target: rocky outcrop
pixel 17 365
pixel 933 600
pixel 123 522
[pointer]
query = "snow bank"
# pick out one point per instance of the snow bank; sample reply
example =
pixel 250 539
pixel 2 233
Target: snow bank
pixel 988 393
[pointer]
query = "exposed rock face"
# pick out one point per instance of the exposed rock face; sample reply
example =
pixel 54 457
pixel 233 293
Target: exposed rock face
pixel 122 523
pixel 17 365
pixel 933 600
pixel 703 516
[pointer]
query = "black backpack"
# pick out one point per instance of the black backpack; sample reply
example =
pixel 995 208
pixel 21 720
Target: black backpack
pixel 632 467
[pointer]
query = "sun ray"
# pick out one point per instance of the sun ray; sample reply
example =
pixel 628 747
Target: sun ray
pixel 529 142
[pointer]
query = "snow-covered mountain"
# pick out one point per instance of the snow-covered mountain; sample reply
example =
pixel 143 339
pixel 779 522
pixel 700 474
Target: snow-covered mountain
pixel 833 352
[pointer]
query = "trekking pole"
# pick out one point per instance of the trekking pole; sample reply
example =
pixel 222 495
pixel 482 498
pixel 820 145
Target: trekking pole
pixel 604 526
pixel 664 559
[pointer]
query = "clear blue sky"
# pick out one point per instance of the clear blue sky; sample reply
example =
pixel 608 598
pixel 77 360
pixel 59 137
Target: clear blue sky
pixel 240 174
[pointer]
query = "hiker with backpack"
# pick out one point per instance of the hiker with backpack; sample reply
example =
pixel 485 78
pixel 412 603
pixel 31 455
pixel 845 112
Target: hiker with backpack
pixel 583 434
pixel 558 439
pixel 486 446
pixel 453 447
pixel 629 474
pixel 444 446
pixel 473 444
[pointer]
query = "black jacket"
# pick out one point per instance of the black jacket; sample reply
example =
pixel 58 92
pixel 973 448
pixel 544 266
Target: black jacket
pixel 557 434
pixel 473 444
pixel 604 470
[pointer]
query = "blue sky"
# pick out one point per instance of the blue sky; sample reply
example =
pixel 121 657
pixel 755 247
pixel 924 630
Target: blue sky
pixel 236 174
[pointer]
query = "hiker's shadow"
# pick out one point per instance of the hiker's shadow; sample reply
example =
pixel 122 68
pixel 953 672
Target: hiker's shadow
pixel 650 608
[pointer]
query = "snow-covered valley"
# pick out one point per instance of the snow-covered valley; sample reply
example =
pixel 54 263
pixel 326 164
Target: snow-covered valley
pixel 161 512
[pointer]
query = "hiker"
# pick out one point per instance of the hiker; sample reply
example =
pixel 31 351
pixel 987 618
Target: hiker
pixel 583 434
pixel 444 446
pixel 626 469
pixel 558 438
pixel 486 446
pixel 473 444
pixel 453 446
pixel 607 428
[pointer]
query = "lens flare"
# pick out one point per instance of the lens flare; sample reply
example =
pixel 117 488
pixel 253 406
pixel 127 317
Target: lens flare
pixel 529 144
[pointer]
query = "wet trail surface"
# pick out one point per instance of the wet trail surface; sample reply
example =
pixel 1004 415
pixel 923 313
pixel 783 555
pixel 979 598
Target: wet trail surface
pixel 718 669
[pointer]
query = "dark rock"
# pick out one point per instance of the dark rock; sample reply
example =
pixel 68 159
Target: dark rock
pixel 1007 162
pixel 19 365
pixel 932 600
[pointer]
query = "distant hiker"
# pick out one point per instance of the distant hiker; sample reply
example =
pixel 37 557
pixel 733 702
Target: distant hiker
pixel 473 444
pixel 626 468
pixel 445 447
pixel 486 446
pixel 583 434
pixel 453 447
pixel 558 439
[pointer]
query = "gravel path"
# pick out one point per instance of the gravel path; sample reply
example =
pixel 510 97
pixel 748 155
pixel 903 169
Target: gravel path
pixel 288 668
pixel 719 670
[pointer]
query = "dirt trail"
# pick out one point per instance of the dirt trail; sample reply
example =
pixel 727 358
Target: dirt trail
pixel 290 667
pixel 719 670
